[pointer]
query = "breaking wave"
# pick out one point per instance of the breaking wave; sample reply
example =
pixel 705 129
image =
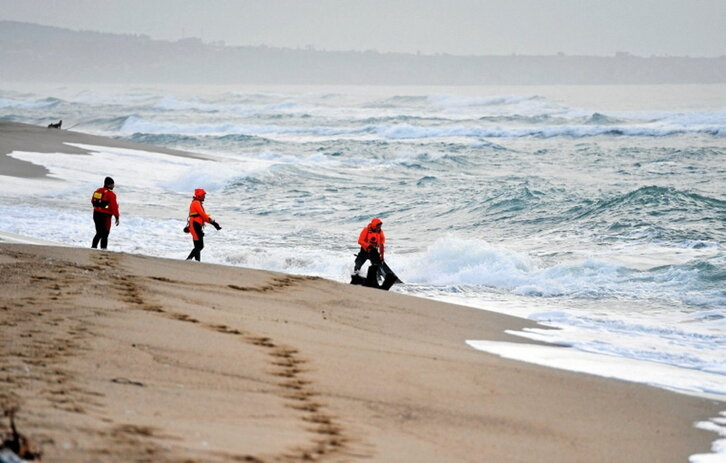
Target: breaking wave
pixel 458 101
pixel 43 103
pixel 407 131
pixel 456 263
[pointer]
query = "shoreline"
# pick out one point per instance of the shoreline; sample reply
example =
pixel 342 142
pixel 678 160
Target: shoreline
pixel 111 356
pixel 17 136
pixel 619 368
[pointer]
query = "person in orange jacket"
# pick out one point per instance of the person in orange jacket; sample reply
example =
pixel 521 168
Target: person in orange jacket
pixel 104 207
pixel 372 244
pixel 197 218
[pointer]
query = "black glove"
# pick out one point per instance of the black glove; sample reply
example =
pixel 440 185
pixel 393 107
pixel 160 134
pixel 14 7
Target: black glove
pixel 216 225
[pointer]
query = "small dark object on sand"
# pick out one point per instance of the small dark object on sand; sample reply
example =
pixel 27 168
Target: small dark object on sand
pixel 16 442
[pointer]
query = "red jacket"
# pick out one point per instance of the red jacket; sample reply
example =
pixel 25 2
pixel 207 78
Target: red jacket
pixel 373 237
pixel 197 213
pixel 104 200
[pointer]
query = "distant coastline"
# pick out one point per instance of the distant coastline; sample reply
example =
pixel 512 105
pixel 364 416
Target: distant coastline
pixel 32 52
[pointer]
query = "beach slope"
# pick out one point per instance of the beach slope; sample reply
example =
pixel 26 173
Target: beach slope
pixel 116 357
pixel 16 136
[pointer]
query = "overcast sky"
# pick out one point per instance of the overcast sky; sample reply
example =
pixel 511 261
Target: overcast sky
pixel 462 27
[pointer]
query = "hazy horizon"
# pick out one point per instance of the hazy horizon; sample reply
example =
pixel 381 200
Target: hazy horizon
pixel 463 27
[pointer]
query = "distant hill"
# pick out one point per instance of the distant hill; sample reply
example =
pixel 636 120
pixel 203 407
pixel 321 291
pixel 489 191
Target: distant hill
pixel 31 52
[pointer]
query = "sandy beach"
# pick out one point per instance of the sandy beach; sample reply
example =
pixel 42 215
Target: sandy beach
pixel 114 357
pixel 16 136
pixel 111 357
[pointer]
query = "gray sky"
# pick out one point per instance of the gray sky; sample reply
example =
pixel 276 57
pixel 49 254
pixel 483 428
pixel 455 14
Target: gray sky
pixel 594 27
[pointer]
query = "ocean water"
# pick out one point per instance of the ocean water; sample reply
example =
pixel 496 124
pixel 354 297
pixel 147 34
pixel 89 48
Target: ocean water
pixel 597 211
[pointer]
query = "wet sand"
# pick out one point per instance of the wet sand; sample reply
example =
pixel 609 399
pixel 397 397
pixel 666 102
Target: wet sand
pixel 16 136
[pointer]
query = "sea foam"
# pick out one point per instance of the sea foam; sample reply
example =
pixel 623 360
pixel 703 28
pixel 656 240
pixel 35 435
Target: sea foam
pixel 456 261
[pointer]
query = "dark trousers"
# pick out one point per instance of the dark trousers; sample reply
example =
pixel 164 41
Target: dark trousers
pixel 198 244
pixel 364 255
pixel 103 227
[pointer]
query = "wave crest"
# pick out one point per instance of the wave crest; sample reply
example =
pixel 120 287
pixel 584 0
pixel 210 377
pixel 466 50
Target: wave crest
pixel 457 262
pixel 655 201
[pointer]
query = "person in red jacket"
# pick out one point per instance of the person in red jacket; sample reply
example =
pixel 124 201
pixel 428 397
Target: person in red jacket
pixel 197 218
pixel 372 244
pixel 104 207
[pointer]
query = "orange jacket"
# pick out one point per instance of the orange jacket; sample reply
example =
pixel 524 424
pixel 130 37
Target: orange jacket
pixel 104 200
pixel 373 236
pixel 197 213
